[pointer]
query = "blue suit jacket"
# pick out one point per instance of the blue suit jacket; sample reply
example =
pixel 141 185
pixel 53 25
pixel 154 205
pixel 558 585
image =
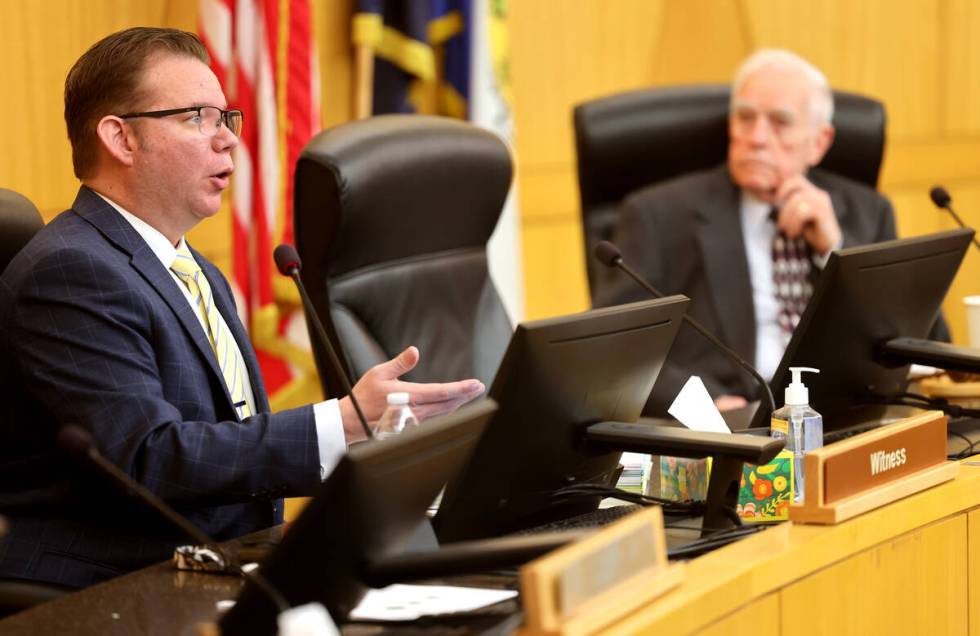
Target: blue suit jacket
pixel 95 331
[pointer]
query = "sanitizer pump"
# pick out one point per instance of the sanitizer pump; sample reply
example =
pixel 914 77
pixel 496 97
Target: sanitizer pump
pixel 800 425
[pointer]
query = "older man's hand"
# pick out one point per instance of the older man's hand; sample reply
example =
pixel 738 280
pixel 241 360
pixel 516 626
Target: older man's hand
pixel 805 209
pixel 730 402
pixel 426 400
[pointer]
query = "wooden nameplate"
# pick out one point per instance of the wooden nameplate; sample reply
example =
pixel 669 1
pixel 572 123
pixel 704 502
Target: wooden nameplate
pixel 867 471
pixel 589 584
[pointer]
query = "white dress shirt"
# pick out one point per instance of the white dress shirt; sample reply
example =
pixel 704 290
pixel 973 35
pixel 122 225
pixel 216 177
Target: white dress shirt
pixel 329 424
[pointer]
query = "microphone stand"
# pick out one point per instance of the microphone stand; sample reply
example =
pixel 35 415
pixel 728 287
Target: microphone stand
pixel 76 441
pixel 288 262
pixel 609 255
pixel 940 197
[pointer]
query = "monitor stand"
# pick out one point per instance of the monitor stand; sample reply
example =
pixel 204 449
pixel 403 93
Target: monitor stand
pixel 423 539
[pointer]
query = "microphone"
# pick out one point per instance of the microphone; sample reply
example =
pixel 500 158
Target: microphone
pixel 940 197
pixel 289 264
pixel 76 442
pixel 610 256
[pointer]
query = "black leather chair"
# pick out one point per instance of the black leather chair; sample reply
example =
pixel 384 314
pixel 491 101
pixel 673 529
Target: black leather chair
pixel 19 221
pixel 392 218
pixel 627 141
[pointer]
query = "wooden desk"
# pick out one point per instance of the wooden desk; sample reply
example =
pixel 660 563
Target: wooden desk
pixel 161 600
pixel 155 600
pixel 906 568
pixel 902 569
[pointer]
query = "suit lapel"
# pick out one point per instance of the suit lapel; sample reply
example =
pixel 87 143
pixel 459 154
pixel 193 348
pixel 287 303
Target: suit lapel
pixel 117 230
pixel 725 264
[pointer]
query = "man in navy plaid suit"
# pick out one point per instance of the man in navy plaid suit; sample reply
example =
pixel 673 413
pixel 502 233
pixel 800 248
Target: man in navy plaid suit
pixel 96 329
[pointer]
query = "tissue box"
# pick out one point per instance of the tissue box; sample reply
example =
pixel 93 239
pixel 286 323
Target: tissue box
pixel 766 491
pixel 681 479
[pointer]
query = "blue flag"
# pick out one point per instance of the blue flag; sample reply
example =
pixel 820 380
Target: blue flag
pixel 421 52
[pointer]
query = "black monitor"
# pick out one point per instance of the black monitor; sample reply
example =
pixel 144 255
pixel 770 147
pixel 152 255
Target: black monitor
pixel 865 297
pixel 558 376
pixel 367 509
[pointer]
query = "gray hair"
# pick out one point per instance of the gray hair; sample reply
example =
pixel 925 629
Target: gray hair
pixel 822 98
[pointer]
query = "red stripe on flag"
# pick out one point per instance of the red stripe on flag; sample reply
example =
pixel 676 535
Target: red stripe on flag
pixel 299 99
pixel 254 230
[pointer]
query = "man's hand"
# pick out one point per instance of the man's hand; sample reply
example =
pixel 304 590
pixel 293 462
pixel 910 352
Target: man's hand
pixel 805 209
pixel 730 402
pixel 426 400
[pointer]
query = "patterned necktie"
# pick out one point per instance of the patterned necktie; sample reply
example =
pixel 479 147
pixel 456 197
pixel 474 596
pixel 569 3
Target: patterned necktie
pixel 791 263
pixel 229 359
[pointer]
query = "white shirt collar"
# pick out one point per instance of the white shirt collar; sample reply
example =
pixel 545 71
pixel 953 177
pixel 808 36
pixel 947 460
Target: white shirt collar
pixel 756 211
pixel 155 240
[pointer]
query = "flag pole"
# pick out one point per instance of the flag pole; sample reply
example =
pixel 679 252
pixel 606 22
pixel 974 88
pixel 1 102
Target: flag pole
pixel 363 80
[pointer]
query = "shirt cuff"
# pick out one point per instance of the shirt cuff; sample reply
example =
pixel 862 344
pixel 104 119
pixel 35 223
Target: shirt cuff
pixel 329 435
pixel 820 260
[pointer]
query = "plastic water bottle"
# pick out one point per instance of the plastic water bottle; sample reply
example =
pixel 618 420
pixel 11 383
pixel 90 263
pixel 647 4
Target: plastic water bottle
pixel 800 425
pixel 396 418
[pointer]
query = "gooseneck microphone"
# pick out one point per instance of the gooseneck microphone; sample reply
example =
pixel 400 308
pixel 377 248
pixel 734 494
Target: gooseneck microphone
pixel 610 256
pixel 76 442
pixel 940 197
pixel 289 264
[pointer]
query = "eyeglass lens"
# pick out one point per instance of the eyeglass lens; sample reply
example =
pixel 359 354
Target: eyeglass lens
pixel 212 118
pixel 782 124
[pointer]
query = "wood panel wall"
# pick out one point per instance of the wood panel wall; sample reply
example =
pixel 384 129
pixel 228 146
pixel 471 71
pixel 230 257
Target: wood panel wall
pixel 39 41
pixel 922 59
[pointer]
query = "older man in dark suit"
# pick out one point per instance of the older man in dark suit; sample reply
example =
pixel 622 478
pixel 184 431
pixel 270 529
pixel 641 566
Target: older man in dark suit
pixel 109 320
pixel 745 240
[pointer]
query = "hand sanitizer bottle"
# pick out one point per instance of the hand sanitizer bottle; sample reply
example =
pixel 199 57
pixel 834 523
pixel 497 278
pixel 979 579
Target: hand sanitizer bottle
pixel 799 424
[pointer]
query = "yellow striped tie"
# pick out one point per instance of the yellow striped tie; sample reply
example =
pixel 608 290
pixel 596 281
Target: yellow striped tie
pixel 229 359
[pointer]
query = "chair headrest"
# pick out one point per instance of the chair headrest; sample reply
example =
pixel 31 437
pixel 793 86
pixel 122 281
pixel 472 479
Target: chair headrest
pixel 397 186
pixel 634 139
pixel 19 221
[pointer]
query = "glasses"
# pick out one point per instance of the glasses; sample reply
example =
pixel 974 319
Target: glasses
pixel 782 123
pixel 209 118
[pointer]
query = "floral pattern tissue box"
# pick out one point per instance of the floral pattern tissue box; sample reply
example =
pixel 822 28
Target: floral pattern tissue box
pixel 767 491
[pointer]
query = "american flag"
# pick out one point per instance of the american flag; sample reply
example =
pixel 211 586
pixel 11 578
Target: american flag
pixel 264 54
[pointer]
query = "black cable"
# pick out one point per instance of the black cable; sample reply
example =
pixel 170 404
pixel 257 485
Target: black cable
pixel 924 402
pixel 680 525
pixel 688 508
pixel 713 541
pixel 718 537
pixel 618 493
pixel 917 400
pixel 263 584
pixel 733 516
pixel 233 566
pixel 577 491
pixel 966 452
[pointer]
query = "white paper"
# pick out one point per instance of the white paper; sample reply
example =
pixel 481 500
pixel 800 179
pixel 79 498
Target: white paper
pixel 919 371
pixel 409 602
pixel 311 619
pixel 694 408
